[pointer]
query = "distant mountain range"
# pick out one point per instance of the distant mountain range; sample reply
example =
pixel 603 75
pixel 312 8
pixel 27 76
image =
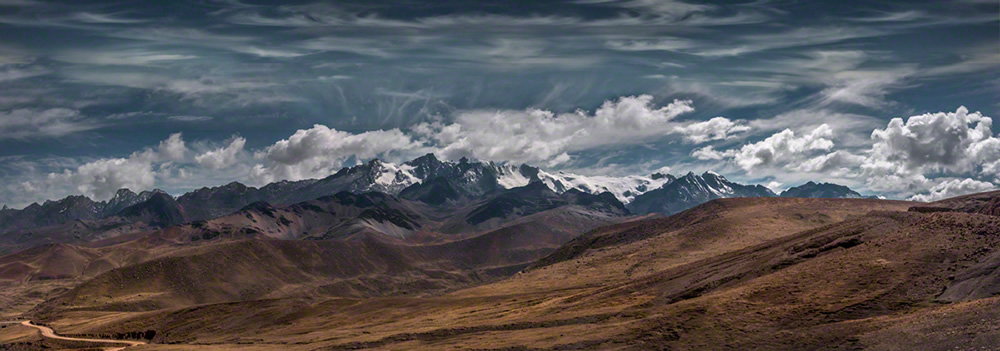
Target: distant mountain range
pixel 824 190
pixel 691 190
pixel 427 180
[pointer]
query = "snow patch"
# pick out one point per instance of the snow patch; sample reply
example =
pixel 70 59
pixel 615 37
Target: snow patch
pixel 510 177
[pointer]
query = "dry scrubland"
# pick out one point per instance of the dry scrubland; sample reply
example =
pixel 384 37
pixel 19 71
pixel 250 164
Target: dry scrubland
pixel 760 273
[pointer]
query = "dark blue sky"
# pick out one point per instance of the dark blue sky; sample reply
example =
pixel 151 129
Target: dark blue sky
pixel 91 92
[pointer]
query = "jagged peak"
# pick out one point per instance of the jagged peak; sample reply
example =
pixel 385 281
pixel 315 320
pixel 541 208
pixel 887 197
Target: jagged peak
pixel 426 158
pixel 123 192
pixel 235 184
pixel 660 175
pixel 157 193
pixel 536 186
pixel 712 173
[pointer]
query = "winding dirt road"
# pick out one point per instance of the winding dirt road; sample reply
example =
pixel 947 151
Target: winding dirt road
pixel 49 333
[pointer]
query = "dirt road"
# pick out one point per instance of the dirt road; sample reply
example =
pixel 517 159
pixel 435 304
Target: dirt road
pixel 49 333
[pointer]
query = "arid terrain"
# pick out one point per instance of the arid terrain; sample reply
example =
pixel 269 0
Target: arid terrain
pixel 742 273
pixel 495 175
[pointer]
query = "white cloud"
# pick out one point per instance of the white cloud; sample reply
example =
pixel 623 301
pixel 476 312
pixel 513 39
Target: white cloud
pixel 838 162
pixel 905 152
pixel 100 179
pixel 782 148
pixel 956 141
pixel 710 153
pixel 544 136
pixel 906 157
pixel 320 151
pixel 952 188
pixel 173 148
pixel 222 157
pixel 717 128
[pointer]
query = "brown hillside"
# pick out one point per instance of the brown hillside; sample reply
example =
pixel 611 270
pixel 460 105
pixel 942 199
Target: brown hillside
pixel 730 274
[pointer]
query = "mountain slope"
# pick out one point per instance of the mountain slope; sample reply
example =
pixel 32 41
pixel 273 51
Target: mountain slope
pixel 260 268
pixel 436 191
pixel 508 205
pixel 71 208
pixel 160 210
pixel 714 278
pixel 156 210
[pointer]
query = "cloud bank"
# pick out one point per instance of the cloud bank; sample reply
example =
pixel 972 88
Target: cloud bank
pixel 923 157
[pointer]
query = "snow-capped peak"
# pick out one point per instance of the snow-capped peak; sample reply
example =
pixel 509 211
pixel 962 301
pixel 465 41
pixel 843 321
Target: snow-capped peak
pixel 390 175
pixel 624 188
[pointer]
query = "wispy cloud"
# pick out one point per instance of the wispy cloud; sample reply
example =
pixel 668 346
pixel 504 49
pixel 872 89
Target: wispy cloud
pixel 189 118
pixel 131 57
pixel 35 123
pixel 101 18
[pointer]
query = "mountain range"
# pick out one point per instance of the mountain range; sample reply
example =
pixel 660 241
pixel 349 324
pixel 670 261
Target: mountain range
pixel 432 254
pixel 428 180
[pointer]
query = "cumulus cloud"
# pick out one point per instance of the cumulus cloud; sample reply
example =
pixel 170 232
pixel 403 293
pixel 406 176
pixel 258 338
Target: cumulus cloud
pixel 935 152
pixel 222 157
pixel 173 148
pixel 782 148
pixel 717 128
pixel 956 141
pixel 952 188
pixel 710 153
pixel 906 152
pixel 776 187
pixel 535 135
pixel 320 151
pixel 100 179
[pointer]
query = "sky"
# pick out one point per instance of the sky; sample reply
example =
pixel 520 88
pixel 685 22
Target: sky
pixel 892 98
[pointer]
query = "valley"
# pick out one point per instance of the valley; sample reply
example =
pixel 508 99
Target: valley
pixel 453 263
